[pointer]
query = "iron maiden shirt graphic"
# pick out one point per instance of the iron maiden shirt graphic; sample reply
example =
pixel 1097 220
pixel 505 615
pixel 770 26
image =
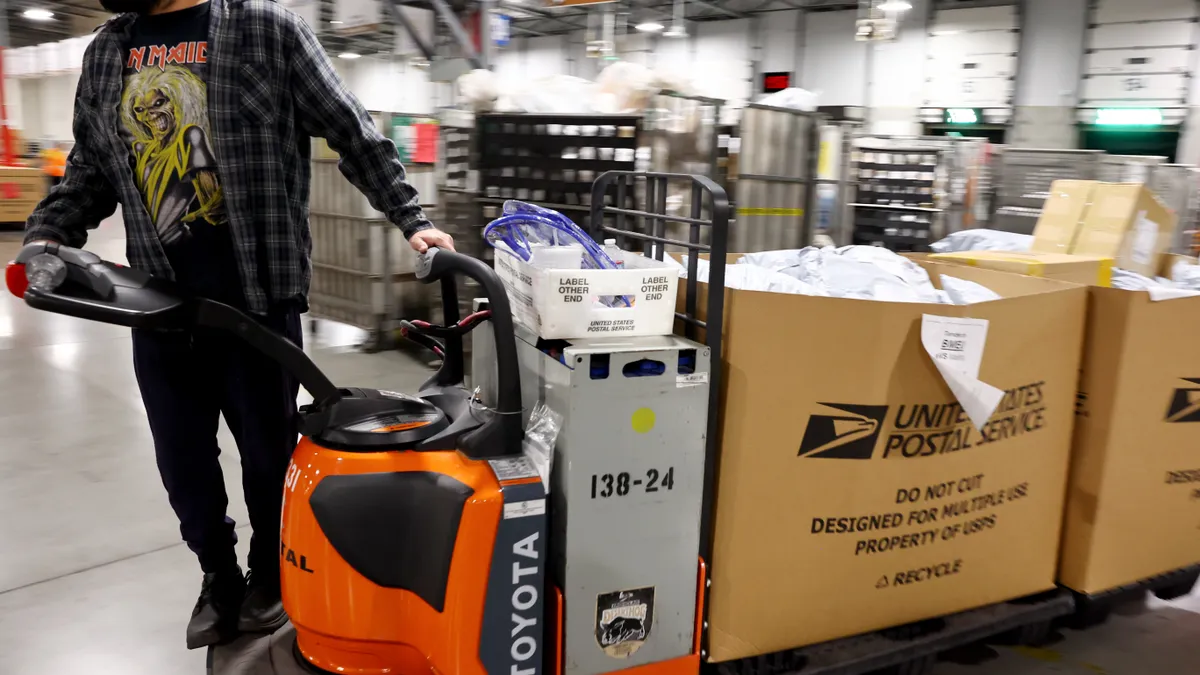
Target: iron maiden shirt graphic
pixel 164 117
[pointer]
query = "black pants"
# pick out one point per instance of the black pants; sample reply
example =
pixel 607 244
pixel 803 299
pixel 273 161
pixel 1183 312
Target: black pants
pixel 189 379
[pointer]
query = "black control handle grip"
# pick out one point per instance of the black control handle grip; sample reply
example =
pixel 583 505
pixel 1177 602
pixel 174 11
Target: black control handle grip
pixel 502 435
pixel 97 290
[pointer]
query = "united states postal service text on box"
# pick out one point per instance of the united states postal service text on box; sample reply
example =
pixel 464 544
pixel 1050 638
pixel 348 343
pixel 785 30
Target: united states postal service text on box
pixel 565 304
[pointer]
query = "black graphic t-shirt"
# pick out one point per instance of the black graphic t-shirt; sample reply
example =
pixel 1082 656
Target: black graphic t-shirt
pixel 164 120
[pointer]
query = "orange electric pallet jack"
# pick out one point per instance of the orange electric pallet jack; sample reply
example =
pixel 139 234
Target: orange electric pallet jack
pixel 414 532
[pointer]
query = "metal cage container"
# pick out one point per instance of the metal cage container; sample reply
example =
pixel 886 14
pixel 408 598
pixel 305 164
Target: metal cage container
pixel 777 164
pixel 1023 182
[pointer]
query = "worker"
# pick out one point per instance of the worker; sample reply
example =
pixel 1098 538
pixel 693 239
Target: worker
pixel 54 164
pixel 196 117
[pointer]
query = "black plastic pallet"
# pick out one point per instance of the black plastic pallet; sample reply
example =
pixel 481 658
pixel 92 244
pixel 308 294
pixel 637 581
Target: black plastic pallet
pixel 913 649
pixel 1094 609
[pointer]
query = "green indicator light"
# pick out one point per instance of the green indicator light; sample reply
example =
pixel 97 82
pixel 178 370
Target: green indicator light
pixel 962 116
pixel 1129 117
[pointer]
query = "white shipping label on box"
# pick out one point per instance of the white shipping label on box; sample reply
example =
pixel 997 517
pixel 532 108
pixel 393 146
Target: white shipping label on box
pixel 956 347
pixel 581 303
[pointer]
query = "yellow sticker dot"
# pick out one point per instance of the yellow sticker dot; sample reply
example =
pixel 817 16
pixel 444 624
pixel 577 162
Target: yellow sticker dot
pixel 643 420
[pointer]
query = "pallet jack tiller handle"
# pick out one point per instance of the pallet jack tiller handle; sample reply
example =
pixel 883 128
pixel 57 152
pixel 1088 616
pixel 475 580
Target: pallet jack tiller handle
pixel 504 432
pixel 98 290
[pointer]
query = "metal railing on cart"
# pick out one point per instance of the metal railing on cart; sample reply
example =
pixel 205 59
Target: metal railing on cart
pixel 615 214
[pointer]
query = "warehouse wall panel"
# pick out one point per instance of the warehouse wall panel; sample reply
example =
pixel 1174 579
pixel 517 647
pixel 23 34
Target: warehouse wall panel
pixel 389 84
pixel 972 57
pixel 1051 58
pixel 834 64
pixel 783 41
pixel 722 60
pixel 898 73
pixel 675 54
pixel 1134 53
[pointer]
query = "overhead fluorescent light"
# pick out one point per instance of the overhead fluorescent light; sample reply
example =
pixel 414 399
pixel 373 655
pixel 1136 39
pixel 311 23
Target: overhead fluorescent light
pixel 649 27
pixel 349 56
pixel 896 6
pixel 38 14
pixel 336 22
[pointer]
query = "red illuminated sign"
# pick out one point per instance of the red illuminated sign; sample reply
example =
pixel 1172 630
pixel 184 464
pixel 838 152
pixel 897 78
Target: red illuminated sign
pixel 773 82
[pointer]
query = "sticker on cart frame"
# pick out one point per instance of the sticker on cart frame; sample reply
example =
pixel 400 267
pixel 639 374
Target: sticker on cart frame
pixel 624 620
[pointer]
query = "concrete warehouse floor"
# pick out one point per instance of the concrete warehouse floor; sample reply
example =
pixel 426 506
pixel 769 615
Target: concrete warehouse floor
pixel 94 579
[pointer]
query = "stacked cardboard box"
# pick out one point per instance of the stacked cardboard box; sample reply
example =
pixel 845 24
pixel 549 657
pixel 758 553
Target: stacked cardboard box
pixel 1133 505
pixel 1077 269
pixel 1133 502
pixel 21 188
pixel 1122 221
pixel 854 493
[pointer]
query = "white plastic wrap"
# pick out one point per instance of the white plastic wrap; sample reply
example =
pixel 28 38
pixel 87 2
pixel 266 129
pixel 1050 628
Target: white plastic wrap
pixel 857 272
pixel 792 97
pixel 1186 274
pixel 1159 289
pixel 479 90
pixel 983 240
pixel 752 278
pixel 964 292
pixel 630 86
pixel 556 94
pixel 541 433
pixel 672 78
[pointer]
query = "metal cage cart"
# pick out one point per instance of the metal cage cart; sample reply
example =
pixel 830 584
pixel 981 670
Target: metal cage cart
pixel 705 217
pixel 1024 176
pixel 682 135
pixel 1127 168
pixel 776 174
pixel 363 270
pixel 632 478
pixel 1178 186
pixel 898 198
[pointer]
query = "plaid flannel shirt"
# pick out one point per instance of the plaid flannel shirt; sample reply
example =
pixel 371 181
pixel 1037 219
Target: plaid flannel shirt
pixel 270 88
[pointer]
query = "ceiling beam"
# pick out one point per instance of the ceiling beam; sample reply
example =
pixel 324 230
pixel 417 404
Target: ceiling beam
pixel 718 8
pixel 541 14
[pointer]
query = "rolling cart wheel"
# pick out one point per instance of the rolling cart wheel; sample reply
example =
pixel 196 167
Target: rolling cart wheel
pixel 1089 615
pixel 919 666
pixel 1174 591
pixel 1035 634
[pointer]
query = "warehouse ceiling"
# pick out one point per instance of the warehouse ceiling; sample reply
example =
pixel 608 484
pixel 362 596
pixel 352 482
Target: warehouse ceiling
pixel 530 17
pixel 71 18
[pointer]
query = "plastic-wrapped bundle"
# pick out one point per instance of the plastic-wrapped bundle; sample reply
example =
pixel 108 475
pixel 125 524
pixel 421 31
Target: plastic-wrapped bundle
pixel 525 225
pixel 479 90
pixel 855 272
pixel 983 240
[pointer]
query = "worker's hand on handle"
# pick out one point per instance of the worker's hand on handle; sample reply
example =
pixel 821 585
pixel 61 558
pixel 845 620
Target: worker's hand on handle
pixel 423 240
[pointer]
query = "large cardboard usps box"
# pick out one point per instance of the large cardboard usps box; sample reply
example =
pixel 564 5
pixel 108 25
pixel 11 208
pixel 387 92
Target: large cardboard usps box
pixel 1133 507
pixel 853 494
